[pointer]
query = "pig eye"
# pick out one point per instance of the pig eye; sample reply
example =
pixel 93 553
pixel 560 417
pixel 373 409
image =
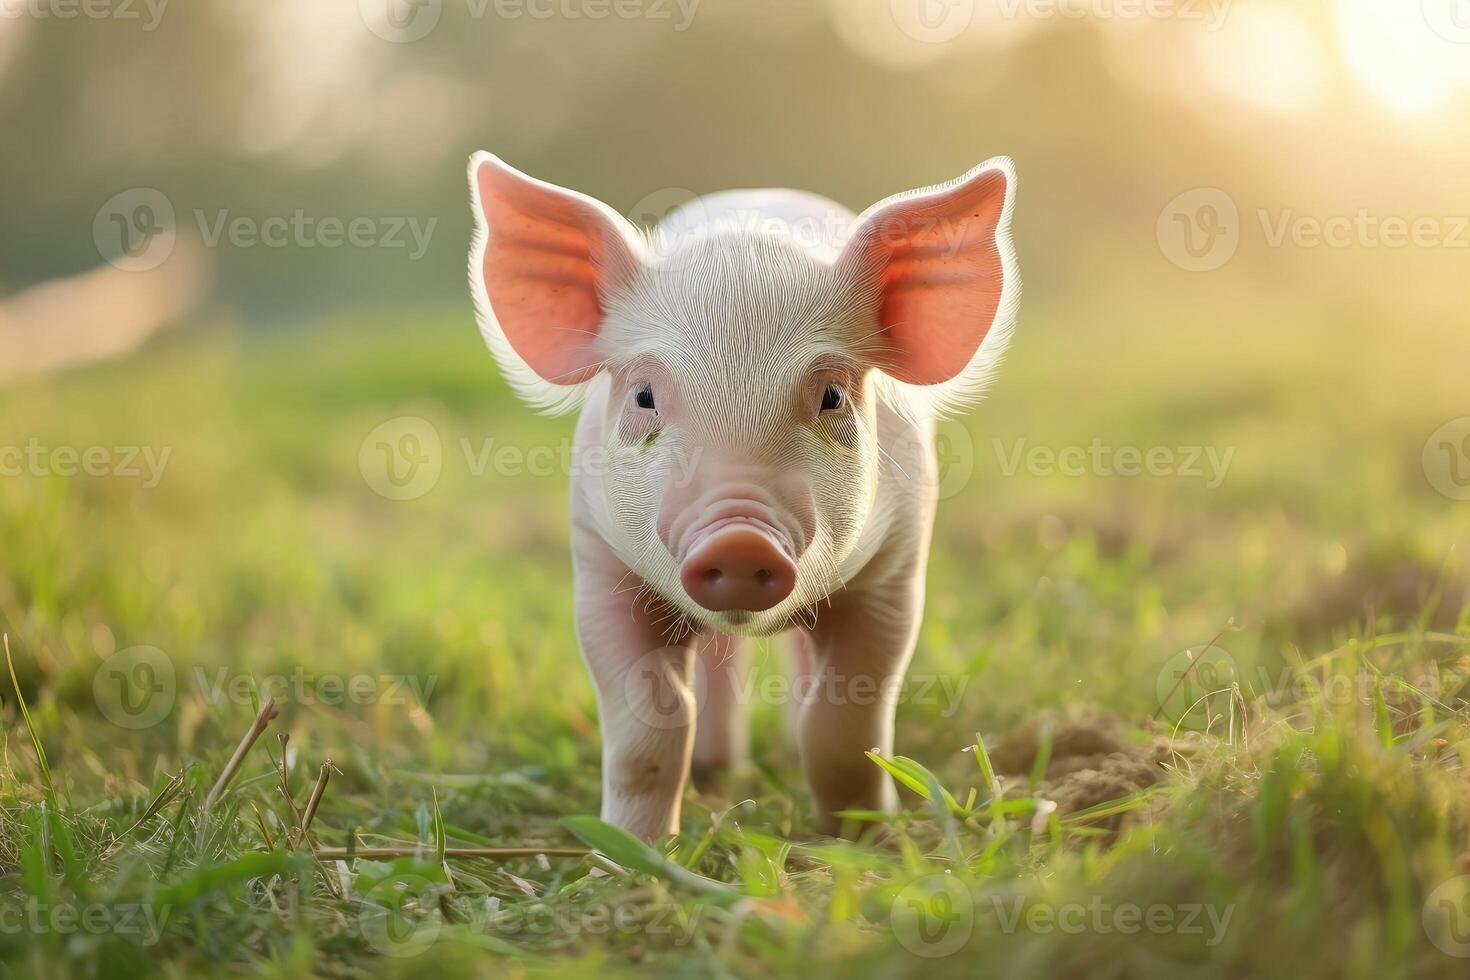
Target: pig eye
pixel 643 397
pixel 832 399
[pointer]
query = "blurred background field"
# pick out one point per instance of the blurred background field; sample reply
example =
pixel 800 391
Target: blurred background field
pixel 1303 391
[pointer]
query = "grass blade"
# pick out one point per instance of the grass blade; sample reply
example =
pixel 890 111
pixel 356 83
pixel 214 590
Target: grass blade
pixel 630 852
pixel 31 729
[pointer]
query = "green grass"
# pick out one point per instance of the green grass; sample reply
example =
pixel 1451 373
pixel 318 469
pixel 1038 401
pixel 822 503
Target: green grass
pixel 1291 807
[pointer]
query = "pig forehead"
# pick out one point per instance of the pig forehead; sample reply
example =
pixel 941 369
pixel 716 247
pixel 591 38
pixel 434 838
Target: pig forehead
pixel 737 310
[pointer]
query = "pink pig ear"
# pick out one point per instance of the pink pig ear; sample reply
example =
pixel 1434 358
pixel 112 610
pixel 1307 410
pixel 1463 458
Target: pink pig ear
pixel 542 263
pixel 944 277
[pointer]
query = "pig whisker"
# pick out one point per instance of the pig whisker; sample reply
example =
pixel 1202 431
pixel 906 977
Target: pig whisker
pixel 619 590
pixel 554 378
pixel 889 456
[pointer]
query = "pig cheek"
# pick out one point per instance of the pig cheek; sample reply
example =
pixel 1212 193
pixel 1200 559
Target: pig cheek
pixel 640 470
pixel 844 479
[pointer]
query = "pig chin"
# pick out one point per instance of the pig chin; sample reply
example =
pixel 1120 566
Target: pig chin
pixel 740 622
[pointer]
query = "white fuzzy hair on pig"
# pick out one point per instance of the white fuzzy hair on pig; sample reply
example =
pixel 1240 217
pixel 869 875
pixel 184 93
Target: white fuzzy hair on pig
pixel 758 377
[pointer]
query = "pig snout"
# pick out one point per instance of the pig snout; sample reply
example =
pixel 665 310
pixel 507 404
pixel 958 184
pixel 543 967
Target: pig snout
pixel 739 565
pixel 737 552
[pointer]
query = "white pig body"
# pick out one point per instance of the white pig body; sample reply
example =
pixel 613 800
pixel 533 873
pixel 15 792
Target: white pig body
pixel 759 379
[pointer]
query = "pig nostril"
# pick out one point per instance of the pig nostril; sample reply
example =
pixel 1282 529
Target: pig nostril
pixel 738 569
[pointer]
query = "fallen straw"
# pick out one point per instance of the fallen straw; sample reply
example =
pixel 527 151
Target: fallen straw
pixel 309 814
pixel 285 739
pixel 267 712
pixel 488 853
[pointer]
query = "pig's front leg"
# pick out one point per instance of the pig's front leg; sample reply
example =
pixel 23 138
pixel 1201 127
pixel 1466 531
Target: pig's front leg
pixel 644 693
pixel 858 653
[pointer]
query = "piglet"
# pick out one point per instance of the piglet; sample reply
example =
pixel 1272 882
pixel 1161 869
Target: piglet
pixel 758 378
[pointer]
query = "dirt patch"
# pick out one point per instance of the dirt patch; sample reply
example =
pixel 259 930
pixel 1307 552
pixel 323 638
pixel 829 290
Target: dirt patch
pixel 1401 589
pixel 1093 760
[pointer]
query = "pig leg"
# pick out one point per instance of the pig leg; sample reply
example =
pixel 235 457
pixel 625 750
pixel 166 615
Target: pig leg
pixel 643 675
pixel 721 736
pixel 859 651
